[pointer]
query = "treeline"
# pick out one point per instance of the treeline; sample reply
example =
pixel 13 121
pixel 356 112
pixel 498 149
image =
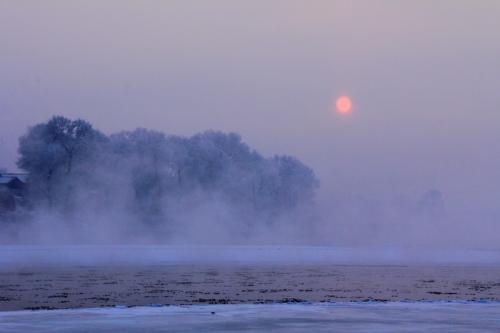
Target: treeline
pixel 153 176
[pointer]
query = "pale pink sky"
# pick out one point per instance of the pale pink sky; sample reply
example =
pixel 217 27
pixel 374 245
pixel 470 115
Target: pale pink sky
pixel 424 77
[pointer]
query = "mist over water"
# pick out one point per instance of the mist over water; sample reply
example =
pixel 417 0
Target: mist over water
pixel 143 186
pixel 147 187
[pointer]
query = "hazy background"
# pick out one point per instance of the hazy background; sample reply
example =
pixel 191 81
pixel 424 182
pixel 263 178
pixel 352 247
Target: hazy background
pixel 424 78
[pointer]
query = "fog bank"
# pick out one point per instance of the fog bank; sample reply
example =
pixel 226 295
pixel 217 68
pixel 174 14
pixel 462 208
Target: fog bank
pixel 14 257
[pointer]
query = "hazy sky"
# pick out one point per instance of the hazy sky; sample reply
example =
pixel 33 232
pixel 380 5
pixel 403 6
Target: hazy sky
pixel 424 77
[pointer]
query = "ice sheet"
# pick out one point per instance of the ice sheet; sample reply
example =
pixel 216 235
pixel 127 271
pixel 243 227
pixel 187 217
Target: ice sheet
pixel 317 317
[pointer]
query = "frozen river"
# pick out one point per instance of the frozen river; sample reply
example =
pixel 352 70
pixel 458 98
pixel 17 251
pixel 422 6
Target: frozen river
pixel 252 289
pixel 316 317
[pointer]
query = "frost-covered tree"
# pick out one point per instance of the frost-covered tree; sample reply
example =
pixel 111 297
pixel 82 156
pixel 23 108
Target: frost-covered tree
pixel 148 157
pixel 153 176
pixel 50 151
pixel 431 205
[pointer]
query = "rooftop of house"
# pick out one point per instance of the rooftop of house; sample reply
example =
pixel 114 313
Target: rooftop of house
pixel 7 177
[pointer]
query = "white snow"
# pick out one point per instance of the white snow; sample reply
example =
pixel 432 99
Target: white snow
pixel 318 317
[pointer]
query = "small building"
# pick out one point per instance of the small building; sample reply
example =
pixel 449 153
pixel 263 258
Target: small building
pixel 12 190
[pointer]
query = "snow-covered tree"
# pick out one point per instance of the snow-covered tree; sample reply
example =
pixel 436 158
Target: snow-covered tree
pixel 153 175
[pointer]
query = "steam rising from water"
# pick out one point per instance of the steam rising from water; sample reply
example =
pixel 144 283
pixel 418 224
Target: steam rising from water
pixel 147 187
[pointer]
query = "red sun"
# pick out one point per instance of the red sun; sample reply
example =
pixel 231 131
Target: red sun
pixel 344 105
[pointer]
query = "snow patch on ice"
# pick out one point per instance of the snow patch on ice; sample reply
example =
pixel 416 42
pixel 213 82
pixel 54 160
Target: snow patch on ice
pixel 315 317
